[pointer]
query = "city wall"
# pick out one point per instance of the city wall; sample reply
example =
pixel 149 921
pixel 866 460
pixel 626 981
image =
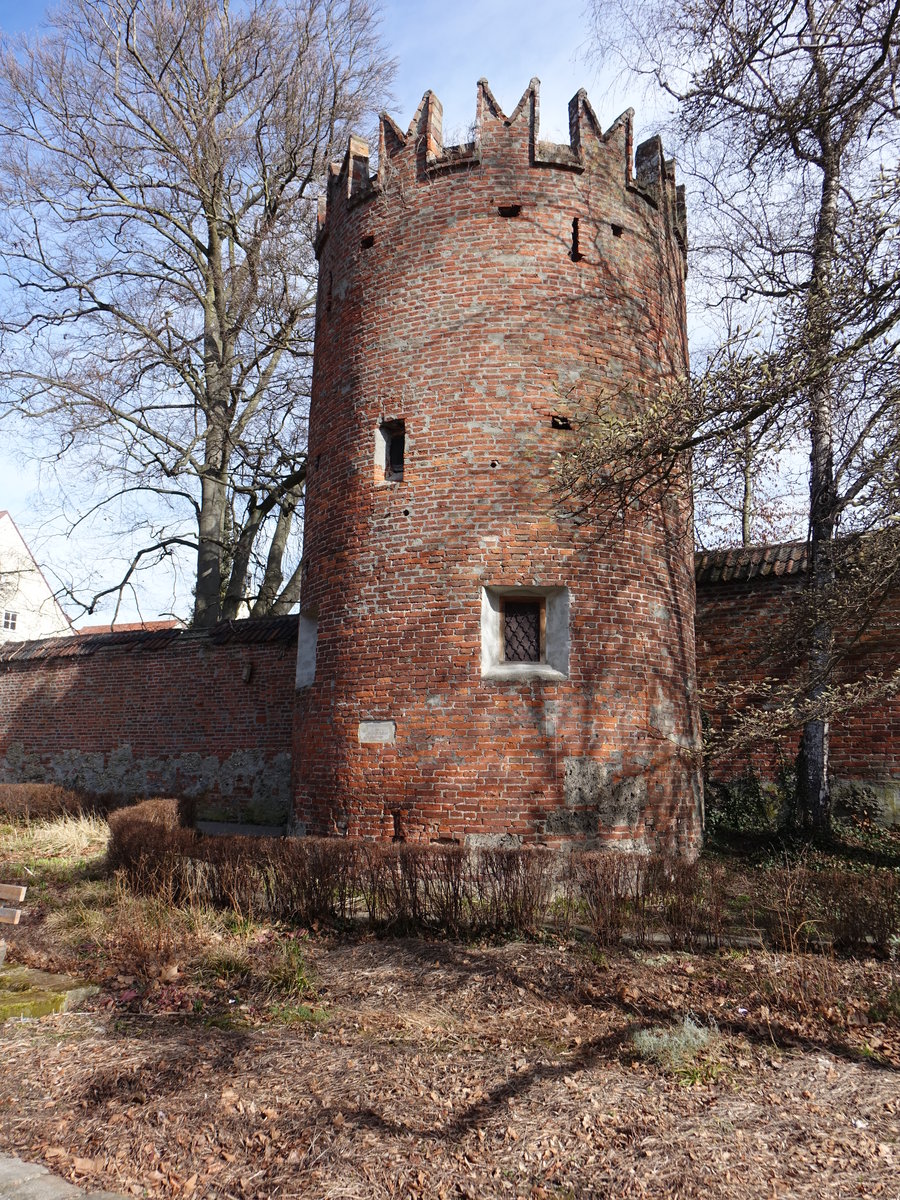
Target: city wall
pixel 170 712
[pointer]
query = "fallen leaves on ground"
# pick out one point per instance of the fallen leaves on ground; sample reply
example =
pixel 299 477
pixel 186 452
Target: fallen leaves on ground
pixel 474 1071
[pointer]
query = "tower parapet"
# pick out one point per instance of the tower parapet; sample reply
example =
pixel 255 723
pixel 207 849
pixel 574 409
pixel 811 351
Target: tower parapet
pixel 420 153
pixel 473 666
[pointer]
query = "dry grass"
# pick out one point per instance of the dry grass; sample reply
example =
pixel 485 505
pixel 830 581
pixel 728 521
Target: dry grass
pixel 80 837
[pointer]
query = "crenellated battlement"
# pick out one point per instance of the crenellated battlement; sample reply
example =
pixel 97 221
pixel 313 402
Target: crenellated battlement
pixel 419 154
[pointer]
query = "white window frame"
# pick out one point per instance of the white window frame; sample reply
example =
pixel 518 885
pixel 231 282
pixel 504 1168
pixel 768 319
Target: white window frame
pixel 555 643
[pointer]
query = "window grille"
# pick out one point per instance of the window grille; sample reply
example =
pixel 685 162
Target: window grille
pixel 522 631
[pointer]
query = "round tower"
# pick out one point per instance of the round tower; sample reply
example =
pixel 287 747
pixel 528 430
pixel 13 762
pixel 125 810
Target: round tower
pixel 473 665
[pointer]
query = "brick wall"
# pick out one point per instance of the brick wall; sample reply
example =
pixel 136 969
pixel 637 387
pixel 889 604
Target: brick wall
pixel 451 298
pixel 148 713
pixel 742 601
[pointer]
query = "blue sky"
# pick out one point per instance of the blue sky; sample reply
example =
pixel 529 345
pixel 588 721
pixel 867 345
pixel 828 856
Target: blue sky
pixel 445 46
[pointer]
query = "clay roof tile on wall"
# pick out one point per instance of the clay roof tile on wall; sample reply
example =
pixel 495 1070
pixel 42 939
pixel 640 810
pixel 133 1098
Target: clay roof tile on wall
pixel 252 631
pixel 740 564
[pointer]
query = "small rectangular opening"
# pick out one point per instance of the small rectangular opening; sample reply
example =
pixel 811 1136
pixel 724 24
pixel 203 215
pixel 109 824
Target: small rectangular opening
pixel 390 451
pixel 367 242
pixel 509 210
pixel 523 630
pixel 394 436
pixel 617 230
pixel 557 421
pixel 575 253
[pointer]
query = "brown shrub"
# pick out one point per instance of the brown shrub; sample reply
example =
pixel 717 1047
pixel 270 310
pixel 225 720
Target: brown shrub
pixel 607 883
pixel 42 801
pixel 786 908
pixel 860 911
pixel 309 880
pixel 412 888
pixel 514 888
pixel 148 845
pixel 453 892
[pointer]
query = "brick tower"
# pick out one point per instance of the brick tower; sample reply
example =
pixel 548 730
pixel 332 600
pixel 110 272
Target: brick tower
pixel 473 665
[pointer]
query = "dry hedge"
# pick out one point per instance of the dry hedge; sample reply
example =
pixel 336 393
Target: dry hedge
pixel 449 891
pixel 43 801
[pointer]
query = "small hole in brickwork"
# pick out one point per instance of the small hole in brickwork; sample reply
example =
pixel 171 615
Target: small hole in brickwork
pixel 618 230
pixel 493 463
pixel 445 841
pixel 399 827
pixel 406 512
pixel 318 461
pixel 560 422
pixel 509 210
pixel 367 242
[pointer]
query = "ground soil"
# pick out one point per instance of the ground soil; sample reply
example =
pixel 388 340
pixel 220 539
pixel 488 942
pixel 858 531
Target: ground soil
pixel 438 1070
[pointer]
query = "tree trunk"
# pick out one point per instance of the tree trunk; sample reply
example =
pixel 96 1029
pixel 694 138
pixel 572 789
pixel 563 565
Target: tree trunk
pixel 814 793
pixel 273 576
pixel 208 595
pixel 747 497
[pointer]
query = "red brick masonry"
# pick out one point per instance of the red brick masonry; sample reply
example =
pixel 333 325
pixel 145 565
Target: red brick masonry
pixel 147 713
pixel 742 596
pixel 475 293
pixel 210 715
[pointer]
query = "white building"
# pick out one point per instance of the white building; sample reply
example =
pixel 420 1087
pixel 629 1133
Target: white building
pixel 28 608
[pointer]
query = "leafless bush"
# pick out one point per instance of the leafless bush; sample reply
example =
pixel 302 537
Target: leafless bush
pixel 448 892
pixel 400 891
pixel 646 905
pixel 514 888
pixel 860 911
pixel 234 870
pixel 151 850
pixel 693 903
pixel 453 892
pixel 311 879
pixel 785 908
pixel 607 883
pixel 41 801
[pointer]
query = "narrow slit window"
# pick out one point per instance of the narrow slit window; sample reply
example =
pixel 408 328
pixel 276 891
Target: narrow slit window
pixel 394 437
pixel 522 631
pixel 575 255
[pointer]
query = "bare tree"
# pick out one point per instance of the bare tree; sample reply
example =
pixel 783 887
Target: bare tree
pixel 787 113
pixel 159 162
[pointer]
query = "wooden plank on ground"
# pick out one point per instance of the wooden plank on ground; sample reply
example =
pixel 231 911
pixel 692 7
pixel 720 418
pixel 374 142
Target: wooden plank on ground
pixel 11 892
pixel 9 916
